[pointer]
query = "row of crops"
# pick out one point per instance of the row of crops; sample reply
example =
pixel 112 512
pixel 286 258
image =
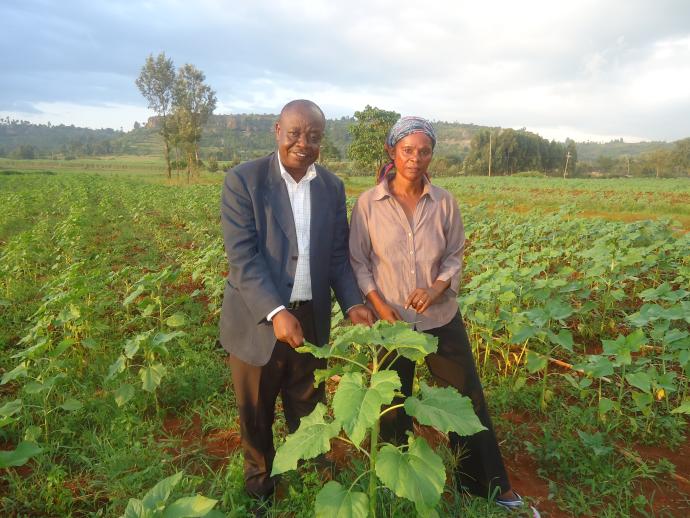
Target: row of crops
pixel 109 295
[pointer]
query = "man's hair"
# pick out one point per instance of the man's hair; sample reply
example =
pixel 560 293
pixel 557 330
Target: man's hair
pixel 302 103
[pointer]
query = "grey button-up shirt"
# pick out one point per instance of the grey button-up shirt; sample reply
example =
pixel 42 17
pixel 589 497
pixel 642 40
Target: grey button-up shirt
pixel 392 257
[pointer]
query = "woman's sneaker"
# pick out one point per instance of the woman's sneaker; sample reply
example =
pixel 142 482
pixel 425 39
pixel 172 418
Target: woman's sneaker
pixel 517 504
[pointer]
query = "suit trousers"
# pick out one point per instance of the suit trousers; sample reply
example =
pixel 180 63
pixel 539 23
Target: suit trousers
pixel 481 470
pixel 288 373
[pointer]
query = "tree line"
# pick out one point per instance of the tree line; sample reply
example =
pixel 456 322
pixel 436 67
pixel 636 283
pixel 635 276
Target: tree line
pixel 352 145
pixel 506 151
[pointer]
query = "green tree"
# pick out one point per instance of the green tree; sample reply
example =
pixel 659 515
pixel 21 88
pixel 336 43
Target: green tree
pixel 680 156
pixel 369 135
pixel 193 104
pixel 155 82
pixel 25 152
pixel 328 150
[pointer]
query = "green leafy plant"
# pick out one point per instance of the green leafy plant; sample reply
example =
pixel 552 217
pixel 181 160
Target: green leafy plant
pixel 155 503
pixel 412 471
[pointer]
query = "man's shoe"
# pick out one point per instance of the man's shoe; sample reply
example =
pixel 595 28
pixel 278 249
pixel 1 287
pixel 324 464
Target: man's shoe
pixel 516 504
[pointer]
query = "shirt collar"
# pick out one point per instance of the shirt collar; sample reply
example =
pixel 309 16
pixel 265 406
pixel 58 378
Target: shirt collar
pixel 382 190
pixel 311 174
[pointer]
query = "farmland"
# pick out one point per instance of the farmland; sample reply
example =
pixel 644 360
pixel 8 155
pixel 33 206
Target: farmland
pixel 576 294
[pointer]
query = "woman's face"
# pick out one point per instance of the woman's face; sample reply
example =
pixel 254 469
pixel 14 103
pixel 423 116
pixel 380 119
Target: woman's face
pixel 412 156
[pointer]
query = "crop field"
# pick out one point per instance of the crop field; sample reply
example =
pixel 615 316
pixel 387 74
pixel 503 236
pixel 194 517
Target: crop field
pixel 576 295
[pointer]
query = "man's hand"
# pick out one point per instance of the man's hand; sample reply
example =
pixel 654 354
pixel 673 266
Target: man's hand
pixel 287 328
pixel 420 299
pixel 360 314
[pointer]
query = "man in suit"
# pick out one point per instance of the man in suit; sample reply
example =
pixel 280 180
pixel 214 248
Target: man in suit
pixel 286 236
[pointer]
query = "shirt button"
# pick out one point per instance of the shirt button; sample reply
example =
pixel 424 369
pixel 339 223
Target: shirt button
pixel 411 271
pixel 411 252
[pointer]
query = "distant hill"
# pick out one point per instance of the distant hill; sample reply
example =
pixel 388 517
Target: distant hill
pixel 49 139
pixel 243 136
pixel 589 151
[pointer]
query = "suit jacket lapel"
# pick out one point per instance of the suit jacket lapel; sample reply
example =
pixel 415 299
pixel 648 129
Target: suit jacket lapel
pixel 278 201
pixel 319 209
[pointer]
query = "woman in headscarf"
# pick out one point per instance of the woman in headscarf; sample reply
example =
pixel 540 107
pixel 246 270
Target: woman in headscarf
pixel 406 246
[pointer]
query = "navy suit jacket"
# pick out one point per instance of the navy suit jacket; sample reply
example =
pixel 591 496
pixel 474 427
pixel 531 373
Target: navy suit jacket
pixel 261 246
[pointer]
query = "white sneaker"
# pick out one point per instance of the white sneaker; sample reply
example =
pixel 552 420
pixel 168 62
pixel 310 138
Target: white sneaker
pixel 516 504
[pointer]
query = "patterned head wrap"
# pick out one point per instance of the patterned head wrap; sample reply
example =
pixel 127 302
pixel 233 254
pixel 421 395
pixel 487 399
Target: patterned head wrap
pixel 401 129
pixel 408 125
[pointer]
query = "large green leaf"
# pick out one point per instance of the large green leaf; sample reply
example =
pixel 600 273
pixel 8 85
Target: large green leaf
pixel 398 336
pixel 189 507
pixel 319 352
pixel 151 376
pixel 162 338
pixel 623 346
pixel 312 438
pixel 445 409
pixel 117 366
pixel 11 407
pixel 640 380
pixel 71 405
pixel 159 493
pixel 684 408
pixel 416 474
pixel 358 334
pixel 536 362
pixel 334 501
pixel 559 310
pixel 176 320
pixel 135 509
pixel 522 333
pixel 596 366
pixel 407 342
pixel 18 372
pixel 357 407
pixel 130 298
pixel 564 338
pixel 124 393
pixel 131 348
pixel 25 450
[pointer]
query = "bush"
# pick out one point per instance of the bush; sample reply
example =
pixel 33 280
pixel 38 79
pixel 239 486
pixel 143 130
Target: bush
pixel 212 164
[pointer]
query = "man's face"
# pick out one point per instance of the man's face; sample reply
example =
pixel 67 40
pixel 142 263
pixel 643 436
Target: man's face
pixel 298 133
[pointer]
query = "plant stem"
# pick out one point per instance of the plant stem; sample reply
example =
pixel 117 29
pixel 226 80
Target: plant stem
pixel 347 441
pixel 543 386
pixel 373 446
pixel 372 466
pixel 349 360
pixel 393 407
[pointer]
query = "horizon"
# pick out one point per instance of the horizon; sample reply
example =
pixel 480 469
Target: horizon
pixel 612 140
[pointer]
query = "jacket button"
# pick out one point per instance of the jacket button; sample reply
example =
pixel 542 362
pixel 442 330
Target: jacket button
pixel 289 285
pixel 294 257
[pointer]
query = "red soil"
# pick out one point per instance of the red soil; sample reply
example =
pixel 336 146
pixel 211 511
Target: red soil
pixel 670 495
pixel 218 444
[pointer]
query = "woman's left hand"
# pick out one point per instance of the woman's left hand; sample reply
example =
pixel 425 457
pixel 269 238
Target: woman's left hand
pixel 421 298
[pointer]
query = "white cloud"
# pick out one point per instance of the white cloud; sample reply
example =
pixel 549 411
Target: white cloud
pixel 108 115
pixel 589 68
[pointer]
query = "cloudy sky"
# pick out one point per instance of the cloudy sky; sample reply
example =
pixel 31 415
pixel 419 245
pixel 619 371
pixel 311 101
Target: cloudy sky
pixel 590 70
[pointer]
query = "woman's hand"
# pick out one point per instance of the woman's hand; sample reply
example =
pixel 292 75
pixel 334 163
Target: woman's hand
pixel 421 298
pixel 387 313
